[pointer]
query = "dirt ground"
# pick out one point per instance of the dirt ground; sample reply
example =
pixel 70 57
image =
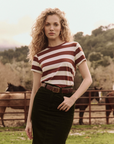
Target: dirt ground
pixel 94 121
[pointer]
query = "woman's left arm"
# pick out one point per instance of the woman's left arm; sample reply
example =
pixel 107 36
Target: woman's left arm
pixel 87 80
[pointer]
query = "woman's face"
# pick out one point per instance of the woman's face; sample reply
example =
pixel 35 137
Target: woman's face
pixel 52 27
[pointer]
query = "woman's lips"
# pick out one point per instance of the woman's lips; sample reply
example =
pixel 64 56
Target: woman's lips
pixel 51 33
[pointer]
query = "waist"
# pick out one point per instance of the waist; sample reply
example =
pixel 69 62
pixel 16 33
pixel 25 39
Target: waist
pixel 56 89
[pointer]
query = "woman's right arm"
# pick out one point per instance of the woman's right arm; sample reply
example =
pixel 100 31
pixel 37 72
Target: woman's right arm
pixel 36 86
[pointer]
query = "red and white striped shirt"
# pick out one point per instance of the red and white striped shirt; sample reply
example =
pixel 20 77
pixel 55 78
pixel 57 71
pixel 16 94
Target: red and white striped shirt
pixel 58 64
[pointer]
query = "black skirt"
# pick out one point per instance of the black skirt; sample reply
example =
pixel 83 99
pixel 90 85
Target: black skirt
pixel 50 125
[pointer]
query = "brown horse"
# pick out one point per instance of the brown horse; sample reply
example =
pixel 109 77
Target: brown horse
pixel 109 107
pixel 13 100
pixel 84 99
pixel 13 88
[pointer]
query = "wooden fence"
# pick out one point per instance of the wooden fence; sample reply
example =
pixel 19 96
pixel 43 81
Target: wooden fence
pixel 7 102
pixel 100 103
pixel 90 111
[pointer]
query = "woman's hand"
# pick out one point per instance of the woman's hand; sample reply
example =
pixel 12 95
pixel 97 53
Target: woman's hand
pixel 66 104
pixel 28 130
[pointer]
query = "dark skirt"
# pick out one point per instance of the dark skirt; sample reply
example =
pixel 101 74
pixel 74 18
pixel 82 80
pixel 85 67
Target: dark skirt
pixel 50 125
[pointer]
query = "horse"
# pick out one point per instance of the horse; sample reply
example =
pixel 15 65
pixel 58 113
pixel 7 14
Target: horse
pixel 109 107
pixel 13 100
pixel 13 88
pixel 7 99
pixel 85 101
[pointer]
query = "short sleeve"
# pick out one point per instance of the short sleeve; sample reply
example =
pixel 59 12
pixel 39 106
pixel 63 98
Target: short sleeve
pixel 79 55
pixel 36 65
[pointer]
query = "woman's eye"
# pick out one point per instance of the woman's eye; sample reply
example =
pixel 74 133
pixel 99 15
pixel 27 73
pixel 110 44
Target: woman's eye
pixel 47 24
pixel 56 24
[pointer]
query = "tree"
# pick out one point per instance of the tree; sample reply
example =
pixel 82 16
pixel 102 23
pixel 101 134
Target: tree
pixel 19 54
pixel 98 31
pixel 78 35
pixel 95 56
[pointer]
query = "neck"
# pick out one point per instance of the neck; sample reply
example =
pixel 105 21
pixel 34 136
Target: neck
pixel 53 43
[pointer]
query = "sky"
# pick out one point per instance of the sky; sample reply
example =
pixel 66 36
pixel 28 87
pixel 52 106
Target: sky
pixel 18 16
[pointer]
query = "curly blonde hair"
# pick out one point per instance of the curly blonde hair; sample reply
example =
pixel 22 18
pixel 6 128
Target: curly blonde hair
pixel 39 39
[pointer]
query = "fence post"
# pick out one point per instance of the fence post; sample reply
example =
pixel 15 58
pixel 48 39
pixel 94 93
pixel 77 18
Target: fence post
pixel 89 108
pixel 25 109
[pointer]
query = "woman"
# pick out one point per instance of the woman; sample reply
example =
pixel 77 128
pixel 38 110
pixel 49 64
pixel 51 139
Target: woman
pixel 54 60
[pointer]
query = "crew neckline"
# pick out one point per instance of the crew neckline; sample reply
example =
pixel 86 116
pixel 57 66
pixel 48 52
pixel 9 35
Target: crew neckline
pixel 57 45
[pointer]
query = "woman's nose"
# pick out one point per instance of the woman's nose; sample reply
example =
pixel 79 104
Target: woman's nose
pixel 51 27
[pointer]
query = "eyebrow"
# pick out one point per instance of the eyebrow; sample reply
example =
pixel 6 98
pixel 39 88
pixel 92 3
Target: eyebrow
pixel 54 22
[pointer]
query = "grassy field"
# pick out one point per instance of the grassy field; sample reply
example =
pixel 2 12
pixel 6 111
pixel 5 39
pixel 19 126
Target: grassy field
pixel 94 134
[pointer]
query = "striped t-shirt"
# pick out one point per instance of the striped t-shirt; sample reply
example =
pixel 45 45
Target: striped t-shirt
pixel 58 64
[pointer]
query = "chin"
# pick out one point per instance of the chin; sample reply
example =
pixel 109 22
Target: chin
pixel 52 38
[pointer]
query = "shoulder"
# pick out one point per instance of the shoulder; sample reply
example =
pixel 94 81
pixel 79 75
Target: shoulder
pixel 72 44
pixel 41 52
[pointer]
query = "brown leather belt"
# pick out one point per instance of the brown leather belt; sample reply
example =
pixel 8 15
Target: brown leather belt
pixel 57 89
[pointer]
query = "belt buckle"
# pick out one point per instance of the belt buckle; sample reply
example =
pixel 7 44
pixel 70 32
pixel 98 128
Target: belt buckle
pixel 55 89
